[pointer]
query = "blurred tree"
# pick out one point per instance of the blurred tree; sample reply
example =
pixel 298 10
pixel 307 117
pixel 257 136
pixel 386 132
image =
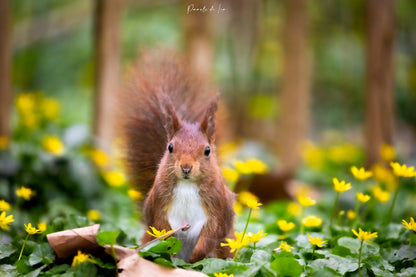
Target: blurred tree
pixel 296 84
pixel 379 76
pixel 198 38
pixel 107 67
pixel 5 68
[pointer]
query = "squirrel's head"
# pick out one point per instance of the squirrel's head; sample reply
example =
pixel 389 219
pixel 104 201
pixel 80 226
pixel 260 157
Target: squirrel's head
pixel 190 149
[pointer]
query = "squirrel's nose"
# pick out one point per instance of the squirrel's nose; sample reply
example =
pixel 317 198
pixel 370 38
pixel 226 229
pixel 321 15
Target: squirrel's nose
pixel 186 169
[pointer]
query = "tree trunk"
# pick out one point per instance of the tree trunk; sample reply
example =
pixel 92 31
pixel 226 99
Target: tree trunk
pixel 379 77
pixel 296 84
pixel 5 68
pixel 198 37
pixel 107 67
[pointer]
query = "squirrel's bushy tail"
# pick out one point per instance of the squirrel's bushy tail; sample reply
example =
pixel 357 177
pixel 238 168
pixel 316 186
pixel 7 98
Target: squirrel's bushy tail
pixel 157 79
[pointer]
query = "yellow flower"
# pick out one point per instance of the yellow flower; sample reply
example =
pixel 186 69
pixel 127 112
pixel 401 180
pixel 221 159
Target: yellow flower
pixel 285 226
pixel 351 214
pixel 135 194
pixel 293 208
pixel 317 241
pixel 50 108
pixel 4 142
pixel 114 178
pixel 249 199
pixel 253 204
pixel 30 121
pixel 223 275
pixel 25 102
pixel 313 156
pixel 42 226
pixel 363 235
pixel 361 174
pixel 284 247
pixel 239 237
pixel 234 244
pixel 305 201
pixel 312 221
pixel 242 167
pixel 403 170
pixel 31 230
pixel 4 206
pixel 387 152
pixel 341 186
pixel 156 233
pixel 256 166
pixel 256 237
pixel 53 145
pixel 94 215
pixel 5 221
pixel 238 208
pixel 411 225
pixel 99 157
pixel 25 193
pixel 380 194
pixel 230 174
pixel 363 198
pixel 80 258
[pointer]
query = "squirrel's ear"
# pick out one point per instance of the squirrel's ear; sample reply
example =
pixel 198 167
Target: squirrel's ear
pixel 172 122
pixel 207 125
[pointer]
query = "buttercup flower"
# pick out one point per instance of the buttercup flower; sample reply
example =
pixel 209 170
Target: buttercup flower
pixel 99 157
pixel 156 233
pixel 94 215
pixel 403 170
pixel 249 199
pixel 25 193
pixel 387 152
pixel 341 186
pixel 238 208
pixel 50 108
pixel 234 244
pixel 363 198
pixel 253 204
pixel 53 145
pixel 284 247
pixel 256 166
pixel 361 174
pixel 42 226
pixel 31 230
pixel 80 258
pixel 285 226
pixel 135 194
pixel 305 201
pixel 317 241
pixel 351 214
pixel 256 237
pixel 293 208
pixel 4 206
pixel 380 194
pixel 114 178
pixel 223 275
pixel 411 225
pixel 312 221
pixel 230 174
pixel 363 235
pixel 5 221
pixel 242 167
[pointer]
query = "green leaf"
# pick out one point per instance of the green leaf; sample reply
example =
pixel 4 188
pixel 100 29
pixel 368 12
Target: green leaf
pixel 211 265
pixel 7 270
pixel 85 269
pixel 164 262
pixel 352 244
pixel 6 250
pixel 107 238
pixel 341 251
pixel 23 265
pixel 337 263
pixel 35 272
pixel 260 257
pixel 286 266
pixel 43 253
pixel 59 269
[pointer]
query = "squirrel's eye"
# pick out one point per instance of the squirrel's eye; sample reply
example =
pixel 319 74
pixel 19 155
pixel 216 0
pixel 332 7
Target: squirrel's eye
pixel 207 151
pixel 170 148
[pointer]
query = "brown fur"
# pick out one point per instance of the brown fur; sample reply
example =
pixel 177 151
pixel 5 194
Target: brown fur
pixel 165 104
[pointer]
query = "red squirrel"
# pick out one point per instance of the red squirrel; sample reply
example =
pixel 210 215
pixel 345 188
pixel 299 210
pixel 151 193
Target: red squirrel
pixel 168 122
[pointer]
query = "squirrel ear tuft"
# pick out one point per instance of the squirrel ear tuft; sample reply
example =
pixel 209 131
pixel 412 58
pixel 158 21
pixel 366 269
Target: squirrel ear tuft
pixel 207 125
pixel 172 122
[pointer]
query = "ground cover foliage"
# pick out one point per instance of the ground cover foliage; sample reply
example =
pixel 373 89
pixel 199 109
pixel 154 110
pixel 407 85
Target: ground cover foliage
pixel 343 221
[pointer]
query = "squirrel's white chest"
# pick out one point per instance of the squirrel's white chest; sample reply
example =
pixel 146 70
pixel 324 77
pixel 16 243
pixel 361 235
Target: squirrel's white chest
pixel 187 207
